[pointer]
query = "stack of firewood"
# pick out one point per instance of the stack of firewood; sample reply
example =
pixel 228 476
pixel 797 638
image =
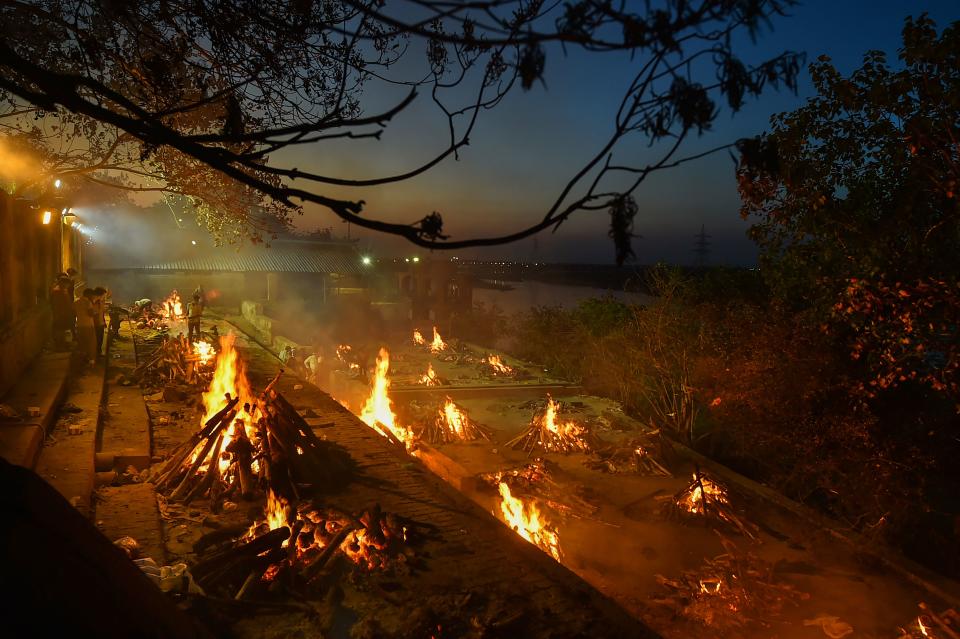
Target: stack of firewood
pixel 932 625
pixel 548 433
pixel 706 500
pixel 536 479
pixel 280 452
pixel 174 360
pixel 632 457
pixel 452 424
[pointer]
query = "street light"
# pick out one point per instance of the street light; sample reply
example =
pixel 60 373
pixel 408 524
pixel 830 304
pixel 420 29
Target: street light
pixel 47 215
pixel 366 260
pixel 57 183
pixel 416 259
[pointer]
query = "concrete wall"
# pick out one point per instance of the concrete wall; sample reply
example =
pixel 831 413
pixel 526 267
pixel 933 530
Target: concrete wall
pixel 29 260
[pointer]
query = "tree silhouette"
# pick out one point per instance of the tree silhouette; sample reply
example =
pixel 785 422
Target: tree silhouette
pixel 200 97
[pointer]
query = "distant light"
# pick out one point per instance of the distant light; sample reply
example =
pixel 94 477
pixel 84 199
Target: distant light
pixel 57 183
pixel 406 259
pixel 179 219
pixel 416 259
pixel 46 217
pixel 366 260
pixel 194 242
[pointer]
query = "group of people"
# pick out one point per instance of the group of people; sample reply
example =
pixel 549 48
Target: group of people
pixel 83 316
pixel 309 366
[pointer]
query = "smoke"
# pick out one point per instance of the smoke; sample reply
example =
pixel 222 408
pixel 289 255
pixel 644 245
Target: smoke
pixel 17 165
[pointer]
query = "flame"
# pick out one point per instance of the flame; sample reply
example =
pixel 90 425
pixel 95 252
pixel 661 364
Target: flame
pixel 228 378
pixel 453 419
pixel 693 500
pixel 710 586
pixel 526 520
pixel 203 350
pixel 437 344
pixel 377 411
pixel 275 510
pixel 430 378
pixel 418 338
pixel 923 629
pixel 171 308
pixel 499 368
pixel 564 429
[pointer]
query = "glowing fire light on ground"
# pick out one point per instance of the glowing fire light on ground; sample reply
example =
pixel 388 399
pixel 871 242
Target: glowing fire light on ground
pixel 498 366
pixel 204 350
pixel 172 308
pixel 437 344
pixel 377 411
pixel 418 338
pixel 430 377
pixel 345 355
pixel 526 520
pixel 692 500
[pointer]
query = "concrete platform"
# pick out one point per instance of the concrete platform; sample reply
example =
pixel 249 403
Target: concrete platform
pixel 43 385
pixel 126 424
pixel 132 511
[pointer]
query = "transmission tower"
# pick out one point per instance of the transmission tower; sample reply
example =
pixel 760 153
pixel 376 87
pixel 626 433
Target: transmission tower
pixel 701 248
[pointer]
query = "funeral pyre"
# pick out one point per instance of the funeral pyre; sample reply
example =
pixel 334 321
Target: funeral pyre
pixel 176 359
pixel 497 366
pixel 706 500
pixel 634 456
pixel 377 411
pixel 549 433
pixel 430 378
pixel 452 424
pixel 535 481
pixel 730 591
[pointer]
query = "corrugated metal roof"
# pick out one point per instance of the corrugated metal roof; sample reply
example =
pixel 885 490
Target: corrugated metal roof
pixel 271 260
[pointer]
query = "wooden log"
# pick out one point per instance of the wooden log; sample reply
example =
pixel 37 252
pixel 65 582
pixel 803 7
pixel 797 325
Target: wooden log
pixel 213 473
pixel 263 543
pixel 312 570
pixel 182 488
pixel 218 536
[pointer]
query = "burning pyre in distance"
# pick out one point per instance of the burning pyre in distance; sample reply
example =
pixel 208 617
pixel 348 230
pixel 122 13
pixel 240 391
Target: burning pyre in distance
pixel 527 521
pixel 377 411
pixel 547 432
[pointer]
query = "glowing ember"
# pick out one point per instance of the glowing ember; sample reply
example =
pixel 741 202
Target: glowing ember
pixel 377 411
pixel 453 419
pixel 172 308
pixel 345 355
pixel 526 520
pixel 430 378
pixel 710 586
pixel 204 350
pixel 499 368
pixel 437 344
pixel 418 338
pixel 924 630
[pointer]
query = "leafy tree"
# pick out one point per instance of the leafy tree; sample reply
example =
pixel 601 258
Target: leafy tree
pixel 201 97
pixel 854 198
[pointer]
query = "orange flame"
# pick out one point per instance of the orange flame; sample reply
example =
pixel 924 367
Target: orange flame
pixel 527 521
pixel 923 629
pixel 453 419
pixel 172 308
pixel 437 344
pixel 418 338
pixel 564 429
pixel 430 378
pixel 498 366
pixel 228 378
pixel 710 586
pixel 377 411
pixel 693 500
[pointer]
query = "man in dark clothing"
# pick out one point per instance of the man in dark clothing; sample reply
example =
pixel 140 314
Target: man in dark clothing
pixel 99 321
pixel 194 313
pixel 72 292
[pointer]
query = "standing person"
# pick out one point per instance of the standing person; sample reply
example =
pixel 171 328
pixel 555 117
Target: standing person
pixel 312 364
pixel 86 340
pixel 62 308
pixel 194 313
pixel 99 322
pixel 202 294
pixel 72 293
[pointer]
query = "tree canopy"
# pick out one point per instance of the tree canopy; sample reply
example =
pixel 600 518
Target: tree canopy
pixel 199 98
pixel 854 199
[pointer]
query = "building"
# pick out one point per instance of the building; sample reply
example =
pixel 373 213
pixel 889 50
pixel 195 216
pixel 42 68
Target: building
pixel 437 290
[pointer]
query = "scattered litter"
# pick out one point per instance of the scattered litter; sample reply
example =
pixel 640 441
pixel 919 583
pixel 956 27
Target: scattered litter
pixel 8 413
pixel 75 429
pixel 298 387
pixel 33 411
pixel 229 506
pixel 128 545
pixel 70 407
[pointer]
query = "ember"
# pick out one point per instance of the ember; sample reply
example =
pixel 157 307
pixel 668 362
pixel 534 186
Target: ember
pixel 430 377
pixel 549 434
pixel 377 411
pixel 497 365
pixel 437 344
pixel 525 519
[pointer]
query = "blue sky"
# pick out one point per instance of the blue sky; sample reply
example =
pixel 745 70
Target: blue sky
pixel 523 152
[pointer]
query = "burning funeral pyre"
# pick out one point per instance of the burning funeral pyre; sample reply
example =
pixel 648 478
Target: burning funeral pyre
pixel 377 411
pixel 728 592
pixel 348 359
pixel 547 433
pixel 247 444
pixel 452 424
pixel 437 345
pixel 418 338
pixel 176 359
pixel 430 378
pixel 172 308
pixel 534 481
pixel 497 366
pixel 706 500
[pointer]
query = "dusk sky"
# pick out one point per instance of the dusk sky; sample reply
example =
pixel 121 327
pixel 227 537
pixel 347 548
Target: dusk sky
pixel 523 152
